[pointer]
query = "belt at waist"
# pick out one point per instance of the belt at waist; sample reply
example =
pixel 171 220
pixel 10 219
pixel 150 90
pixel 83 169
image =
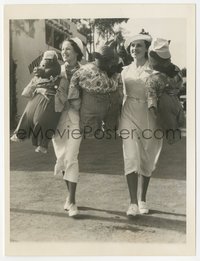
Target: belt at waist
pixel 136 99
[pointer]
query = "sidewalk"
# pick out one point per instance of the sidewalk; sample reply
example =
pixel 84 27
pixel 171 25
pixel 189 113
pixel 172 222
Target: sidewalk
pixel 37 199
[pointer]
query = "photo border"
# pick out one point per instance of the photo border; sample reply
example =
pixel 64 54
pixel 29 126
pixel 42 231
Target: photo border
pixel 186 11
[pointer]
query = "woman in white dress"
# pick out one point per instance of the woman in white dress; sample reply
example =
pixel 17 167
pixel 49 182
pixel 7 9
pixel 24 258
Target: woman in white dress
pixel 67 140
pixel 141 145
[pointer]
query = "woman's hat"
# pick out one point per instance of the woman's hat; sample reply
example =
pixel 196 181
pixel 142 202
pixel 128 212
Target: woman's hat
pixel 78 42
pixel 50 54
pixel 144 37
pixel 161 48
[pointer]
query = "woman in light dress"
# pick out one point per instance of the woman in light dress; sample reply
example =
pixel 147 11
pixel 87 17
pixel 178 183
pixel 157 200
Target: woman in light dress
pixel 141 146
pixel 67 140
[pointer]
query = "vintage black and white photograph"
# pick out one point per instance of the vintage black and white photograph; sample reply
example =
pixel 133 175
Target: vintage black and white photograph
pixel 98 148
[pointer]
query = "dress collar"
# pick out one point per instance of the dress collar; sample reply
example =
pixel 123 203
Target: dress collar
pixel 145 65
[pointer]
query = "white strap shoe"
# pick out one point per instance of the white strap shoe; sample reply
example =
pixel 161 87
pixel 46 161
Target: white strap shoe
pixel 67 204
pixel 132 210
pixel 143 208
pixel 73 210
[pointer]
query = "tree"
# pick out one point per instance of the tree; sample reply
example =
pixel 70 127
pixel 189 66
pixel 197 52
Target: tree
pixel 26 26
pixel 97 29
pixel 105 26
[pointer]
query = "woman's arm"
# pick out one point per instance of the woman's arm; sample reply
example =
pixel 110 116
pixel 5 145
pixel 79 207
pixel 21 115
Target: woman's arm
pixel 123 84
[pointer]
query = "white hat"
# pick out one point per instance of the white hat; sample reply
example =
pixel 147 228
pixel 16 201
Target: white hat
pixel 161 47
pixel 144 37
pixel 50 54
pixel 79 43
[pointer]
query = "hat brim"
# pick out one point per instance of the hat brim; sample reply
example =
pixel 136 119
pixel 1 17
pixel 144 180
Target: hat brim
pixel 143 37
pixel 163 55
pixel 78 44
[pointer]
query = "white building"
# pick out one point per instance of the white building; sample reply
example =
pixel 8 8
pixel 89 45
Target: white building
pixel 28 40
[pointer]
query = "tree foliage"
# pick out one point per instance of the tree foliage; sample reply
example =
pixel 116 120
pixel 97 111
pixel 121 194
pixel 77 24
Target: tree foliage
pixel 105 26
pixel 26 26
pixel 98 29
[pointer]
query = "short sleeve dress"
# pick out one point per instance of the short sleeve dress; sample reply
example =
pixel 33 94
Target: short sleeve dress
pixel 142 141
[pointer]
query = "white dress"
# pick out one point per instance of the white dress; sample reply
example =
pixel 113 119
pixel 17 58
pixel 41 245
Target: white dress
pixel 142 141
pixel 66 143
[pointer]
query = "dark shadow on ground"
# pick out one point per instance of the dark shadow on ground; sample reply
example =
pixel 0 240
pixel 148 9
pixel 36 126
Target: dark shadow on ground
pixel 118 213
pixel 140 220
pixel 100 156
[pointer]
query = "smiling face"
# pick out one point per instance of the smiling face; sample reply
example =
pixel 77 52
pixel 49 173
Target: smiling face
pixel 138 49
pixel 68 53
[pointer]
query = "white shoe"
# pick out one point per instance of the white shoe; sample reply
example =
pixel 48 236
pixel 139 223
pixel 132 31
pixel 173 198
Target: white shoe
pixel 132 210
pixel 143 208
pixel 73 210
pixel 15 138
pixel 67 204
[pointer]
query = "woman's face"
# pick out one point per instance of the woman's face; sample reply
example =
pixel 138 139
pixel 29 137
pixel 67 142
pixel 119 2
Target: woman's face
pixel 68 53
pixel 138 49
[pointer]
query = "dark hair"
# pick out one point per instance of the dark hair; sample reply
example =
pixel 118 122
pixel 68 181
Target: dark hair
pixel 76 49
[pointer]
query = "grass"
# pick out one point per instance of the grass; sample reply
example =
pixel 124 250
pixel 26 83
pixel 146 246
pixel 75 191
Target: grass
pixel 100 156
